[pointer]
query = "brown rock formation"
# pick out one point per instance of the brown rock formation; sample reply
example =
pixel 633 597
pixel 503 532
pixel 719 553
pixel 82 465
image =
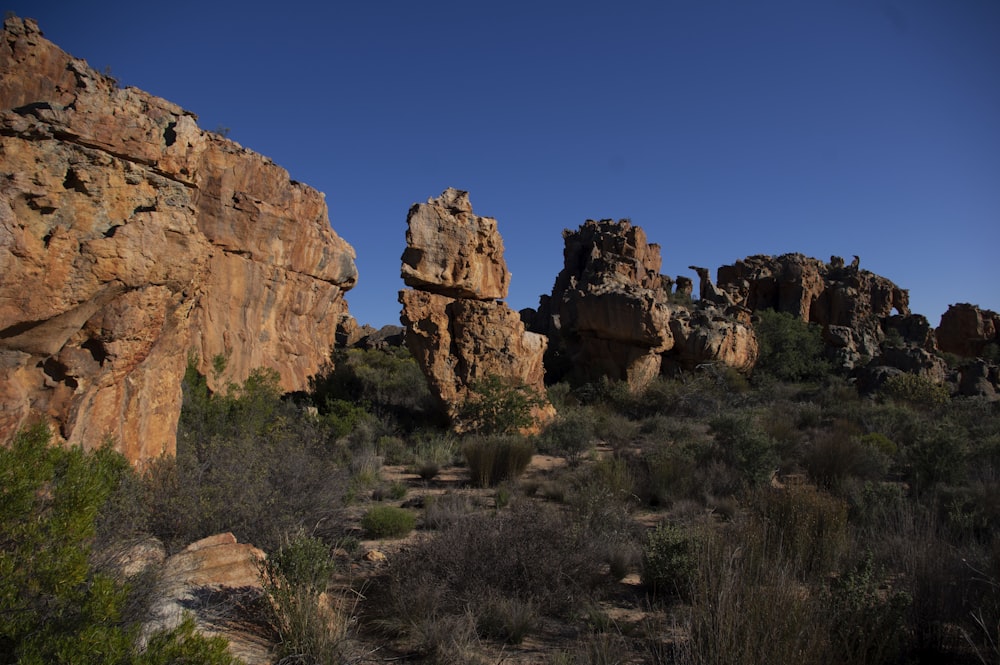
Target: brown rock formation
pixel 451 251
pixel 828 294
pixel 966 330
pixel 455 328
pixel 611 309
pixel 128 238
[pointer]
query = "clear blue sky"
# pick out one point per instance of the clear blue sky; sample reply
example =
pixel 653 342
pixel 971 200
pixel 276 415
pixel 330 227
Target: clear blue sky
pixel 724 129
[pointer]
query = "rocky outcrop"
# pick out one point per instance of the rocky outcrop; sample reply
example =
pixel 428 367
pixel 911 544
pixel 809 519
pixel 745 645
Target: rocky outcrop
pixel 830 294
pixel 612 314
pixel 967 330
pixel 131 239
pixel 455 327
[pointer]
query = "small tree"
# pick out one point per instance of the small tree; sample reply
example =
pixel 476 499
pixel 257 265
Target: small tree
pixel 498 406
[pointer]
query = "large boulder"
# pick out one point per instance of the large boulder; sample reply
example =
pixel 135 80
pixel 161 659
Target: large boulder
pixel 451 251
pixel 457 330
pixel 212 580
pixel 131 241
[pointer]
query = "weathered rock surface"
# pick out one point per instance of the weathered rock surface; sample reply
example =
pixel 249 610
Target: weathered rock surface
pixel 129 238
pixel 966 330
pixel 210 579
pixel 829 294
pixel 455 328
pixel 451 251
pixel 611 311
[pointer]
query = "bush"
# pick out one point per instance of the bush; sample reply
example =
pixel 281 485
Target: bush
pixel 745 447
pixel 806 528
pixel 668 560
pixel 310 626
pixel 54 607
pixel 246 462
pixel 496 568
pixel 914 389
pixel 388 522
pixel 495 459
pixel 790 349
pixel 497 406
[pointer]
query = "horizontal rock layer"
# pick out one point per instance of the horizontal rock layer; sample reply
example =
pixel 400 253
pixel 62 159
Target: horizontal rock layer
pixel 131 240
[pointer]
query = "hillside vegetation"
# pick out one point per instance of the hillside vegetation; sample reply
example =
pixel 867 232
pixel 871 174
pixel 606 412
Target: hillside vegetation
pixel 712 518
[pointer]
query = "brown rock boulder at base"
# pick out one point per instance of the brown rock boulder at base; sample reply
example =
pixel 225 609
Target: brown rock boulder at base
pixel 131 239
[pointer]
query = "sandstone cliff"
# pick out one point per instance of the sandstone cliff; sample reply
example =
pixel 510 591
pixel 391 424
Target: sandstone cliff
pixel 130 238
pixel 456 328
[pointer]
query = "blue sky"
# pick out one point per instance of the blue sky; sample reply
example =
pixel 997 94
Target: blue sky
pixel 723 128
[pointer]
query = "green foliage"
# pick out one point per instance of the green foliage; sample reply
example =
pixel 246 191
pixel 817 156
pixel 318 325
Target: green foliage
pixel 388 522
pixel 389 384
pixel 806 528
pixel 54 607
pixel 745 447
pixel 495 459
pixel 914 389
pixel 668 560
pixel 310 627
pixel 247 462
pixel 790 349
pixel 867 624
pixel 496 406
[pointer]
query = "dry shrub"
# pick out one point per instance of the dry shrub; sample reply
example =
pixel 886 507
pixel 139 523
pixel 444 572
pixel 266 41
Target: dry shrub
pixel 749 609
pixel 495 459
pixel 523 560
pixel 806 528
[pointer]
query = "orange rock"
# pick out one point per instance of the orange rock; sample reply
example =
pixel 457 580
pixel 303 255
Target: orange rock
pixel 130 238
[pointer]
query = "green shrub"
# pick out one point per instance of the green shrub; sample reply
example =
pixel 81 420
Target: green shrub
pixel 497 406
pixel 310 625
pixel 54 606
pixel 572 435
pixel 495 459
pixel 914 389
pixel 247 462
pixel 668 560
pixel 745 447
pixel 388 522
pixel 790 349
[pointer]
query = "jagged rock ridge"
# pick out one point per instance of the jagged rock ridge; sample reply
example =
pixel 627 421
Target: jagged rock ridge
pixel 130 238
pixel 611 312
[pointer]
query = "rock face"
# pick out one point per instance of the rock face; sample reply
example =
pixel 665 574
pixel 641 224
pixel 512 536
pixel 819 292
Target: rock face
pixel 130 238
pixel 611 311
pixel 455 327
pixel 967 330
pixel 830 294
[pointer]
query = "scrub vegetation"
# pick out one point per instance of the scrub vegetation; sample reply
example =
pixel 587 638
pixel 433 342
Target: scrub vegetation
pixel 710 519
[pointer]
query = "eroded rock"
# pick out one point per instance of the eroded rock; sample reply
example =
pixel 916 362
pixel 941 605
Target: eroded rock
pixel 129 237
pixel 455 328
pixel 612 312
